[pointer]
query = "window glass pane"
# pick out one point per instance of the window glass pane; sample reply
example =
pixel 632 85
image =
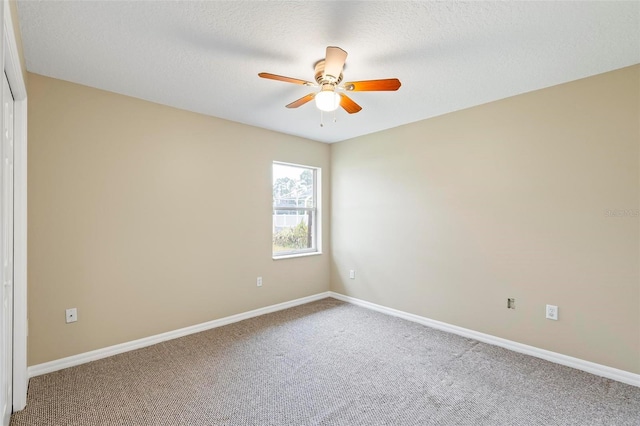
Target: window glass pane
pixel 294 203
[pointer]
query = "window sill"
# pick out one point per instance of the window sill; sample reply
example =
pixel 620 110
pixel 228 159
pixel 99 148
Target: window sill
pixel 289 256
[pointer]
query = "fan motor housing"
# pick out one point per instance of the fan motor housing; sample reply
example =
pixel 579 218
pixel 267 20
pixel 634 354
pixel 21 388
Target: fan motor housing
pixel 320 77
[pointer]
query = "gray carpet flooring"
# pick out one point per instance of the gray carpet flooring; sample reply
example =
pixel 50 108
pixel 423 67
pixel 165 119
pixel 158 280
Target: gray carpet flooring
pixel 326 363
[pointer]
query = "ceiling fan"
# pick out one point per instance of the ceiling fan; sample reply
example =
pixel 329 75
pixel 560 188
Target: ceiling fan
pixel 328 76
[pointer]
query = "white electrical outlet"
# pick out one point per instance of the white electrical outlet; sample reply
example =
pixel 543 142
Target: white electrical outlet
pixel 352 274
pixel 552 312
pixel 72 315
pixel 259 282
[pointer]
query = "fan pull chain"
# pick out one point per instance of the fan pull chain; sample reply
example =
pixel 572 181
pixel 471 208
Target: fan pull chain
pixel 335 120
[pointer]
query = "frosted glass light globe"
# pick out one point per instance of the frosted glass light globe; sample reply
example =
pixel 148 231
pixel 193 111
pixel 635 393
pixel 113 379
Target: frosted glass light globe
pixel 327 100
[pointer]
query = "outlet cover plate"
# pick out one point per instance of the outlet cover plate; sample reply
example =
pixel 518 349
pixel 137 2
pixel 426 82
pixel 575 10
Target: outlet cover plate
pixel 552 312
pixel 71 315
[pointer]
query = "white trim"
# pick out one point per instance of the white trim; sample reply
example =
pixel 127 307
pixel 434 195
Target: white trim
pixel 291 256
pixel 589 367
pixel 12 65
pixel 13 69
pixel 577 363
pixel 59 364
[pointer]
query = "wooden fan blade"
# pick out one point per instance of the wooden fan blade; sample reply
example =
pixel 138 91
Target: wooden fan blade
pixel 303 100
pixel 334 62
pixel 285 79
pixel 348 104
pixel 373 85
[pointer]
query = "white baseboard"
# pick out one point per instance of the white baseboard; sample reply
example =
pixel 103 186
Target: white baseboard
pixel 82 358
pixel 577 363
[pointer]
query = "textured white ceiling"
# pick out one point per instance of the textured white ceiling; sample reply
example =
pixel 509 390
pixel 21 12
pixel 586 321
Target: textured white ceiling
pixel 206 56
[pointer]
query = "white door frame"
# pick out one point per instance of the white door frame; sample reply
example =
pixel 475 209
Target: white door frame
pixel 13 68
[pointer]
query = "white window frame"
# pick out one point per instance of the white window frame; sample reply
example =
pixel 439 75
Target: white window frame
pixel 317 197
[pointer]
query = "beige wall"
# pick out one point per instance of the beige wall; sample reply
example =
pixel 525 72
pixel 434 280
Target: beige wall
pixel 148 218
pixel 448 217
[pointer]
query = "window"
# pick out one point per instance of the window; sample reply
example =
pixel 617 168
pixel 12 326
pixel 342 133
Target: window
pixel 295 210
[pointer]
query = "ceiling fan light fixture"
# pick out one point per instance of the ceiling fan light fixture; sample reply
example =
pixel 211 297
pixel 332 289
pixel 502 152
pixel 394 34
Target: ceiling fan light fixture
pixel 327 100
pixel 328 76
